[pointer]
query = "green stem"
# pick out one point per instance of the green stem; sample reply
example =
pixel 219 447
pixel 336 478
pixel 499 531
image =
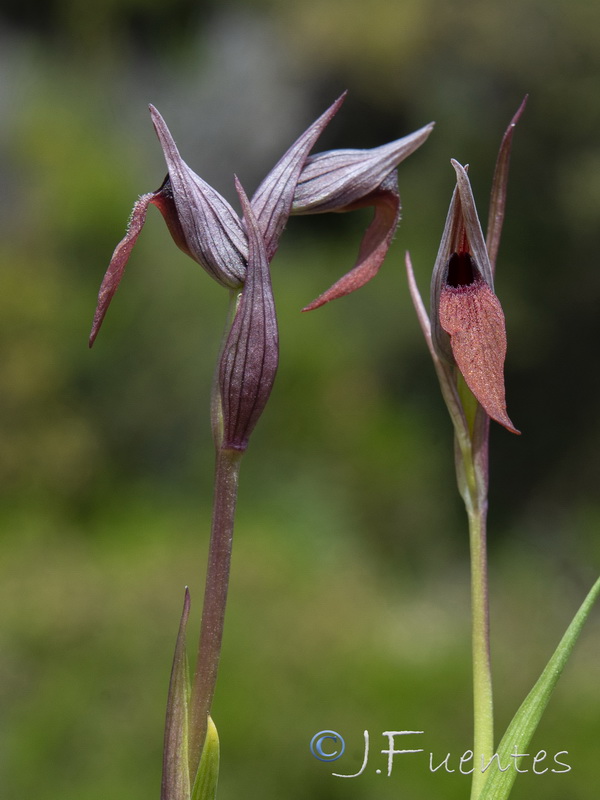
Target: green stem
pixel 483 709
pixel 215 599
pixel 472 449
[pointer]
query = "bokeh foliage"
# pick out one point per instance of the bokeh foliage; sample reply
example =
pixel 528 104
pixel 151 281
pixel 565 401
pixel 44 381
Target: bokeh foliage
pixel 349 604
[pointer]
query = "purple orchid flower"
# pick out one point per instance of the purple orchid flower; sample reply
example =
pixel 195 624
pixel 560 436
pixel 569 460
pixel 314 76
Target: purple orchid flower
pixel 201 221
pixel 205 226
pixel 467 321
pixel 467 327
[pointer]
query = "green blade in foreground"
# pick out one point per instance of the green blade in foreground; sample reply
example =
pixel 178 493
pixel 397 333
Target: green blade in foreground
pixel 518 734
pixel 205 785
pixel 176 775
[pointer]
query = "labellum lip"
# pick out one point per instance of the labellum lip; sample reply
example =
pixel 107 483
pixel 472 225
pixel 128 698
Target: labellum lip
pixel 118 262
pixel 163 199
pixel 375 243
pixel 472 316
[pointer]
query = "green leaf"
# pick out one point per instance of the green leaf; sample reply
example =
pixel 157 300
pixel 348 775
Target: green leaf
pixel 205 785
pixel 176 775
pixel 518 734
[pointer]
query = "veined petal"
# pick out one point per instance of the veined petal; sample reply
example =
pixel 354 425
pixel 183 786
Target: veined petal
pixel 375 244
pixel 118 262
pixel 251 353
pixel 272 201
pixel 212 230
pixel 337 179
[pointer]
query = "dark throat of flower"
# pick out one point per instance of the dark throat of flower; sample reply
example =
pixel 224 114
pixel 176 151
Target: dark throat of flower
pixel 461 270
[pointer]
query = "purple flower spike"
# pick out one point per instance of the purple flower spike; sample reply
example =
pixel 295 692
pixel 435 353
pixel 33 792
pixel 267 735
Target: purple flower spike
pixel 344 180
pixel 251 353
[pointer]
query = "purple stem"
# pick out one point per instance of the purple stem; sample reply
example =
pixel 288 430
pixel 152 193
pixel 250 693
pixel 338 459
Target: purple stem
pixel 215 599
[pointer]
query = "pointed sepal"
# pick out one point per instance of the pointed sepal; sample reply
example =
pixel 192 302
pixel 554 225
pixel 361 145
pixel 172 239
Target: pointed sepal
pixel 212 231
pixel 499 188
pixel 443 369
pixel 272 201
pixel 337 179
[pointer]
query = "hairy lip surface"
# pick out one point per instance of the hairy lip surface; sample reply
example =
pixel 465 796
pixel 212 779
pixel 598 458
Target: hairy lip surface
pixel 473 318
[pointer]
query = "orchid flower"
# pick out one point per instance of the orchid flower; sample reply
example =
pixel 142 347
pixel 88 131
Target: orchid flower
pixel 205 226
pixel 465 330
pixel 467 321
pixel 202 223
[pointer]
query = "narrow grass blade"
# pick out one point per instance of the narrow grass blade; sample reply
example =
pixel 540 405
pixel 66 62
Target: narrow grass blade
pixel 176 777
pixel 520 731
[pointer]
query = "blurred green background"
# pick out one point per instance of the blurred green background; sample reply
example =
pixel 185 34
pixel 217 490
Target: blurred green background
pixel 349 598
